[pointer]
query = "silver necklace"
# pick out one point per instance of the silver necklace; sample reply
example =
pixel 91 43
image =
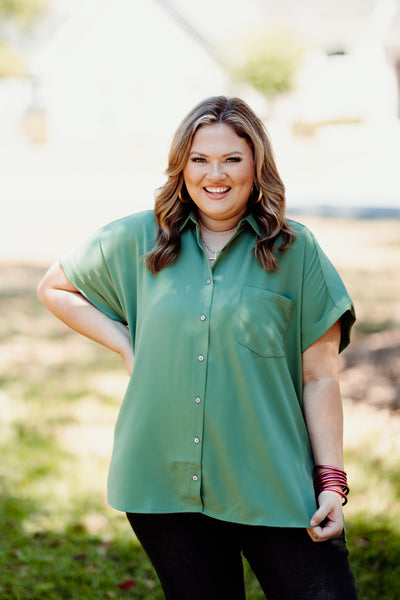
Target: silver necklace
pixel 214 253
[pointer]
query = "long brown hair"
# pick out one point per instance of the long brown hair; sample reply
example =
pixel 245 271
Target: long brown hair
pixel 170 211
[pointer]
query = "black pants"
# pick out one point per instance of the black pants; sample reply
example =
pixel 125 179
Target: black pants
pixel 199 558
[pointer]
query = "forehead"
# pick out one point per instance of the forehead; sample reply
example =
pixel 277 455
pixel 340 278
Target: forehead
pixel 212 138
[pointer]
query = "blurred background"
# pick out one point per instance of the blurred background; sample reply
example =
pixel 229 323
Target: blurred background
pixel 91 92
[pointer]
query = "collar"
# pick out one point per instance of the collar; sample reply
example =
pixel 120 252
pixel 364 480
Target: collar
pixel 250 219
pixel 191 217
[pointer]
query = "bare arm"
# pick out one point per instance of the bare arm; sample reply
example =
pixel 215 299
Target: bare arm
pixel 322 406
pixel 63 299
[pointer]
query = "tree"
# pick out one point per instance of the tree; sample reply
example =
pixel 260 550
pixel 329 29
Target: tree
pixel 17 17
pixel 269 63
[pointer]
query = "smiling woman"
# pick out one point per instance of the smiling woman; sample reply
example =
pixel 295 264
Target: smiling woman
pixel 230 329
pixel 219 176
pixel 238 130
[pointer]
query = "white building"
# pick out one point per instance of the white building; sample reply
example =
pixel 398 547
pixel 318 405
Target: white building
pixel 118 75
pixel 121 69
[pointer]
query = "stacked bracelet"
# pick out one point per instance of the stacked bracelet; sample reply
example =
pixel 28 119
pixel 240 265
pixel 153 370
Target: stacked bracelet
pixel 332 479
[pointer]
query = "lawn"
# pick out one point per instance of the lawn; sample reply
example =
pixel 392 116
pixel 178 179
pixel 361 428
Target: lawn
pixel 59 399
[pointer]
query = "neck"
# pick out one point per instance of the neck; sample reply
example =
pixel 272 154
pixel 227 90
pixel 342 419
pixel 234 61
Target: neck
pixel 218 226
pixel 206 229
pixel 213 241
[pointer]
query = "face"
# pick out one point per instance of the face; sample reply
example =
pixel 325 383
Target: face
pixel 219 175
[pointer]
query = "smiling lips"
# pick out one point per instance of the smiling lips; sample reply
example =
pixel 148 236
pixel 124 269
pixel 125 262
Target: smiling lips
pixel 217 191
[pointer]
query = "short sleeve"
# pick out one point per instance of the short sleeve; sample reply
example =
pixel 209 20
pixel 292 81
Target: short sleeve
pixel 324 298
pixel 85 266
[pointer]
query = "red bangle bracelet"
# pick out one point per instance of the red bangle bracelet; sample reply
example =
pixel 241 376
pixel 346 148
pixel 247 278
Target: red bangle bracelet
pixel 328 468
pixel 328 478
pixel 329 489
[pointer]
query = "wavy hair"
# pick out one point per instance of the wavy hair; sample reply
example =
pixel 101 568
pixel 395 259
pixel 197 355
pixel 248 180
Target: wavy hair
pixel 269 212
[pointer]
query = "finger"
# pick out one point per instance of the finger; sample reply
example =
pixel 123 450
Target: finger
pixel 318 534
pixel 319 516
pixel 322 534
pixel 313 533
pixel 329 529
pixel 310 531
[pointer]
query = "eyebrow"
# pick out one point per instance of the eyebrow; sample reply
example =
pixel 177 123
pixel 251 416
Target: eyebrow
pixel 227 154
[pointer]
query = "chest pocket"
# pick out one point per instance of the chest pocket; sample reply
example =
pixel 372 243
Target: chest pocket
pixel 263 320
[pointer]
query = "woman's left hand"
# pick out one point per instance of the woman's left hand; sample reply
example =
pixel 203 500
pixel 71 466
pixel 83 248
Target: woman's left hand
pixel 327 521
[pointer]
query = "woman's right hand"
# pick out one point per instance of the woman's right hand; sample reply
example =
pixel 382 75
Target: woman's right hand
pixel 126 352
pixel 129 361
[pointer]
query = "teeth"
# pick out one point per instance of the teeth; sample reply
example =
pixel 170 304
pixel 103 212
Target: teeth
pixel 217 190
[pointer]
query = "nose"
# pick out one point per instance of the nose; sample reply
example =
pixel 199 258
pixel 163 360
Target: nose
pixel 216 171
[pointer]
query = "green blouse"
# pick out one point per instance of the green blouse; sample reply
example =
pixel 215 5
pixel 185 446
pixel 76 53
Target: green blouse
pixel 212 417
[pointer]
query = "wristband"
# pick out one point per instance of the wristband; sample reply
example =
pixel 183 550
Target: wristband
pixel 328 478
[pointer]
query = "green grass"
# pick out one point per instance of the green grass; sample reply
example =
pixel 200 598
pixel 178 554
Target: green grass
pixel 59 398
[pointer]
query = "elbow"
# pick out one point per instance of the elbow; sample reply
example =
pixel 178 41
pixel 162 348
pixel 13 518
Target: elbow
pixel 42 291
pixel 52 284
pixel 48 283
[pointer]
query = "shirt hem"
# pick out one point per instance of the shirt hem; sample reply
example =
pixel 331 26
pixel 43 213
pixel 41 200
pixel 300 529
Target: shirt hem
pixel 257 522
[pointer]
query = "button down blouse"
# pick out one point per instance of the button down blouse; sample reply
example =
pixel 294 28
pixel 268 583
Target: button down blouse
pixel 212 417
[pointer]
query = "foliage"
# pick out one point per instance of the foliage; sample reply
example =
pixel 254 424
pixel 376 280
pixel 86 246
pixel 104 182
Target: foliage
pixel 23 12
pixel 21 15
pixel 11 63
pixel 270 63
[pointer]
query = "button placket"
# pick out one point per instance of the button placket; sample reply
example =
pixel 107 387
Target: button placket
pixel 197 420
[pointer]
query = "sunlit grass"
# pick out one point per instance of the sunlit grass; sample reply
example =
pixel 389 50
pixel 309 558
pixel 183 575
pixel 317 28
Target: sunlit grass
pixel 59 398
pixel 372 442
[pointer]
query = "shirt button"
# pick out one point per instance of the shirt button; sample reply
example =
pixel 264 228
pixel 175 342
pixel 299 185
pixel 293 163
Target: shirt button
pixel 196 440
pixel 201 358
pixel 197 400
pixel 195 478
pixel 203 318
pixel 208 281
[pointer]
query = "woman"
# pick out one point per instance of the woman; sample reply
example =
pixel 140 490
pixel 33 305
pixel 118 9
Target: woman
pixel 229 438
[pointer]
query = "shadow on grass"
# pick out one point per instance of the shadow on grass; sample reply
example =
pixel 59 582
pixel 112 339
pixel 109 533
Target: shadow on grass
pixel 45 555
pixel 374 559
pixel 65 560
pixel 373 531
pixel 73 564
pixel 69 563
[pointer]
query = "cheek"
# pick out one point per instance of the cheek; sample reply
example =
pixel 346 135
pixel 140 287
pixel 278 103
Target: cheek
pixel 246 174
pixel 246 178
pixel 189 175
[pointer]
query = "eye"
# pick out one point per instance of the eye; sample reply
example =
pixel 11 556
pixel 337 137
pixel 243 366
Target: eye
pixel 233 159
pixel 198 159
